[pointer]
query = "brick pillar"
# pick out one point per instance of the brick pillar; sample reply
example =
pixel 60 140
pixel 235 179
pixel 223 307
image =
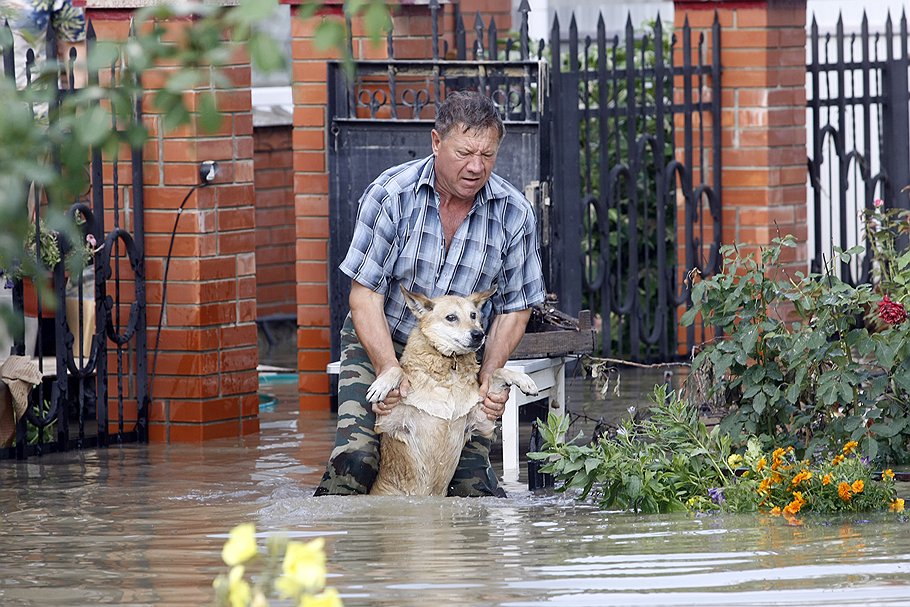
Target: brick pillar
pixel 206 384
pixel 763 54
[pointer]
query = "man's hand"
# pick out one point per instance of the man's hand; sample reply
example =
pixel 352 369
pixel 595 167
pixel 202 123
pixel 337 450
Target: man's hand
pixel 493 404
pixel 392 398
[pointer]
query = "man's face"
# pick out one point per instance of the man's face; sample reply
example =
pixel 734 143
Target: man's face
pixel 464 160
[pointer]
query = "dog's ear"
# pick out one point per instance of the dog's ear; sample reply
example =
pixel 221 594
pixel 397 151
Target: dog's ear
pixel 478 299
pixel 419 304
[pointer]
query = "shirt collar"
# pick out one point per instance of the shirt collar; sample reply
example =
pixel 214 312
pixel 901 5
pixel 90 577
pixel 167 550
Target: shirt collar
pixel 492 189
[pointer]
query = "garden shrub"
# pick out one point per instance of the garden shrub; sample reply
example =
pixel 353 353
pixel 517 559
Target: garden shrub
pixel 796 362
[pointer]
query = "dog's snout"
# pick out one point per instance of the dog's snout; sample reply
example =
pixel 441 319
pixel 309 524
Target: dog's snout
pixel 477 335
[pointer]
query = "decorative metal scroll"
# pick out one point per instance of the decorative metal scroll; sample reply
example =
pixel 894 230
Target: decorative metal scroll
pixel 98 316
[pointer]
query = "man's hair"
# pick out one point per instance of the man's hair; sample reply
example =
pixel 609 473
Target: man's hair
pixel 471 110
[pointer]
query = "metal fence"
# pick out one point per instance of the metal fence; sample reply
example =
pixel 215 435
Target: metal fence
pixel 87 334
pixel 637 167
pixel 859 136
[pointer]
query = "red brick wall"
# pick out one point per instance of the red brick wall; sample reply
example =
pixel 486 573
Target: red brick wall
pixel 206 383
pixel 763 117
pixel 275 233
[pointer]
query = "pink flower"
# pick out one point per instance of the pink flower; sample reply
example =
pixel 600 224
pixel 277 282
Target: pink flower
pixel 878 203
pixel 90 239
pixel 892 312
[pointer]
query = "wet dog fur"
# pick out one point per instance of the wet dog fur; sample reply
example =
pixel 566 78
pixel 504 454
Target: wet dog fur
pixel 422 437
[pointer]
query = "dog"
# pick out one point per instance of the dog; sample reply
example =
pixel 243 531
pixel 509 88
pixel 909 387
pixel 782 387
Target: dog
pixel 422 437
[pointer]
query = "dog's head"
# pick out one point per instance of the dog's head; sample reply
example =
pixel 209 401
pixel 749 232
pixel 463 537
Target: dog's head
pixel 451 323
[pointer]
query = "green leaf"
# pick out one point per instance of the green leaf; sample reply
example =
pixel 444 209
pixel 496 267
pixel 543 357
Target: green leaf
pixel 104 54
pixel 266 53
pixel 252 11
pixel 94 126
pixel 209 117
pixel 329 34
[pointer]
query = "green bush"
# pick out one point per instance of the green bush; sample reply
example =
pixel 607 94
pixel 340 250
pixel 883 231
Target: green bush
pixel 796 363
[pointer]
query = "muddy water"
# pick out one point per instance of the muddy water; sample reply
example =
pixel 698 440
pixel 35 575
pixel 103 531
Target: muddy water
pixel 144 525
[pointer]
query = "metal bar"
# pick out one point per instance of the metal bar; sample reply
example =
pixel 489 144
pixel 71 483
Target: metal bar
pixel 661 194
pixel 143 389
pixel 606 86
pixel 631 306
pixel 689 157
pixel 717 143
pixel 896 113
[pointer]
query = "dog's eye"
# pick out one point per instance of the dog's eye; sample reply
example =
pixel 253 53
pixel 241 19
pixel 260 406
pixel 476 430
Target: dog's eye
pixel 452 318
pixel 473 315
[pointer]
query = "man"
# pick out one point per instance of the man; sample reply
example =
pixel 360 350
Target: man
pixel 445 224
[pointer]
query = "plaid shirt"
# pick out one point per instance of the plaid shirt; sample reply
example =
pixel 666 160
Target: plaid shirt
pixel 398 240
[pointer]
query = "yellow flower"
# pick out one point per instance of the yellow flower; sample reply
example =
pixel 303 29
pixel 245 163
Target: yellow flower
pixel 328 598
pixel 888 474
pixel 897 505
pixel 241 545
pixel 775 511
pixel 843 490
pixel 761 465
pixel 858 486
pixel 826 479
pixel 838 460
pixel 734 460
pixel 238 588
pixel 764 486
pixel 850 446
pixel 303 567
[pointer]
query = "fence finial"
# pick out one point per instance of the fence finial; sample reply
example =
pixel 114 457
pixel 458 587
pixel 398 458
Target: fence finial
pixel 524 8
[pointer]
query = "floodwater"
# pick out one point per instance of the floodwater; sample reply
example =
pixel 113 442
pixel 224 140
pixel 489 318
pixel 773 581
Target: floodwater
pixel 144 525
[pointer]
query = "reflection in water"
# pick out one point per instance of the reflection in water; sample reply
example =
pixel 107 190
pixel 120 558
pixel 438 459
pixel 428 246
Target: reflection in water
pixel 144 525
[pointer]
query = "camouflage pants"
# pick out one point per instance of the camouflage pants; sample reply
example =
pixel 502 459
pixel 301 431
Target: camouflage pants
pixel 354 462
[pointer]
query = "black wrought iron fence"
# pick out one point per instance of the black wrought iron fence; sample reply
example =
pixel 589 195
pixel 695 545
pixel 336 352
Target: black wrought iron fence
pixel 638 183
pixel 86 332
pixel 859 135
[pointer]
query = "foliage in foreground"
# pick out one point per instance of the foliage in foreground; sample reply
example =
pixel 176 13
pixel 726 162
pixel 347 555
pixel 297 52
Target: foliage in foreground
pixel 301 566
pixel 672 462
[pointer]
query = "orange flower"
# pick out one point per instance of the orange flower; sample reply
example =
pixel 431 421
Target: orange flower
pixel 765 486
pixel 775 511
pixel 850 446
pixel 857 486
pixel 843 491
pixel 897 505
pixel 838 459
pixel 793 507
pixel 888 474
pixel 826 479
pixel 776 478
pixel 761 465
pixel 803 476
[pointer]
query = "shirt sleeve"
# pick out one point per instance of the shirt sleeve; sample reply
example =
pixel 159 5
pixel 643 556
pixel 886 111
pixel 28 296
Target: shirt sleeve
pixel 521 279
pixel 374 244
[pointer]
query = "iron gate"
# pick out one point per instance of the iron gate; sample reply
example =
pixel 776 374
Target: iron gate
pixel 636 179
pixel 859 136
pixel 89 341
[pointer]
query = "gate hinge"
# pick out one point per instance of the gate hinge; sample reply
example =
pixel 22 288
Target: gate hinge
pixel 538 192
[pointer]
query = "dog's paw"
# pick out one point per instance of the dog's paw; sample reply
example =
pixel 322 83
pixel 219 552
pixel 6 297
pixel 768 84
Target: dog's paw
pixel 505 377
pixel 385 383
